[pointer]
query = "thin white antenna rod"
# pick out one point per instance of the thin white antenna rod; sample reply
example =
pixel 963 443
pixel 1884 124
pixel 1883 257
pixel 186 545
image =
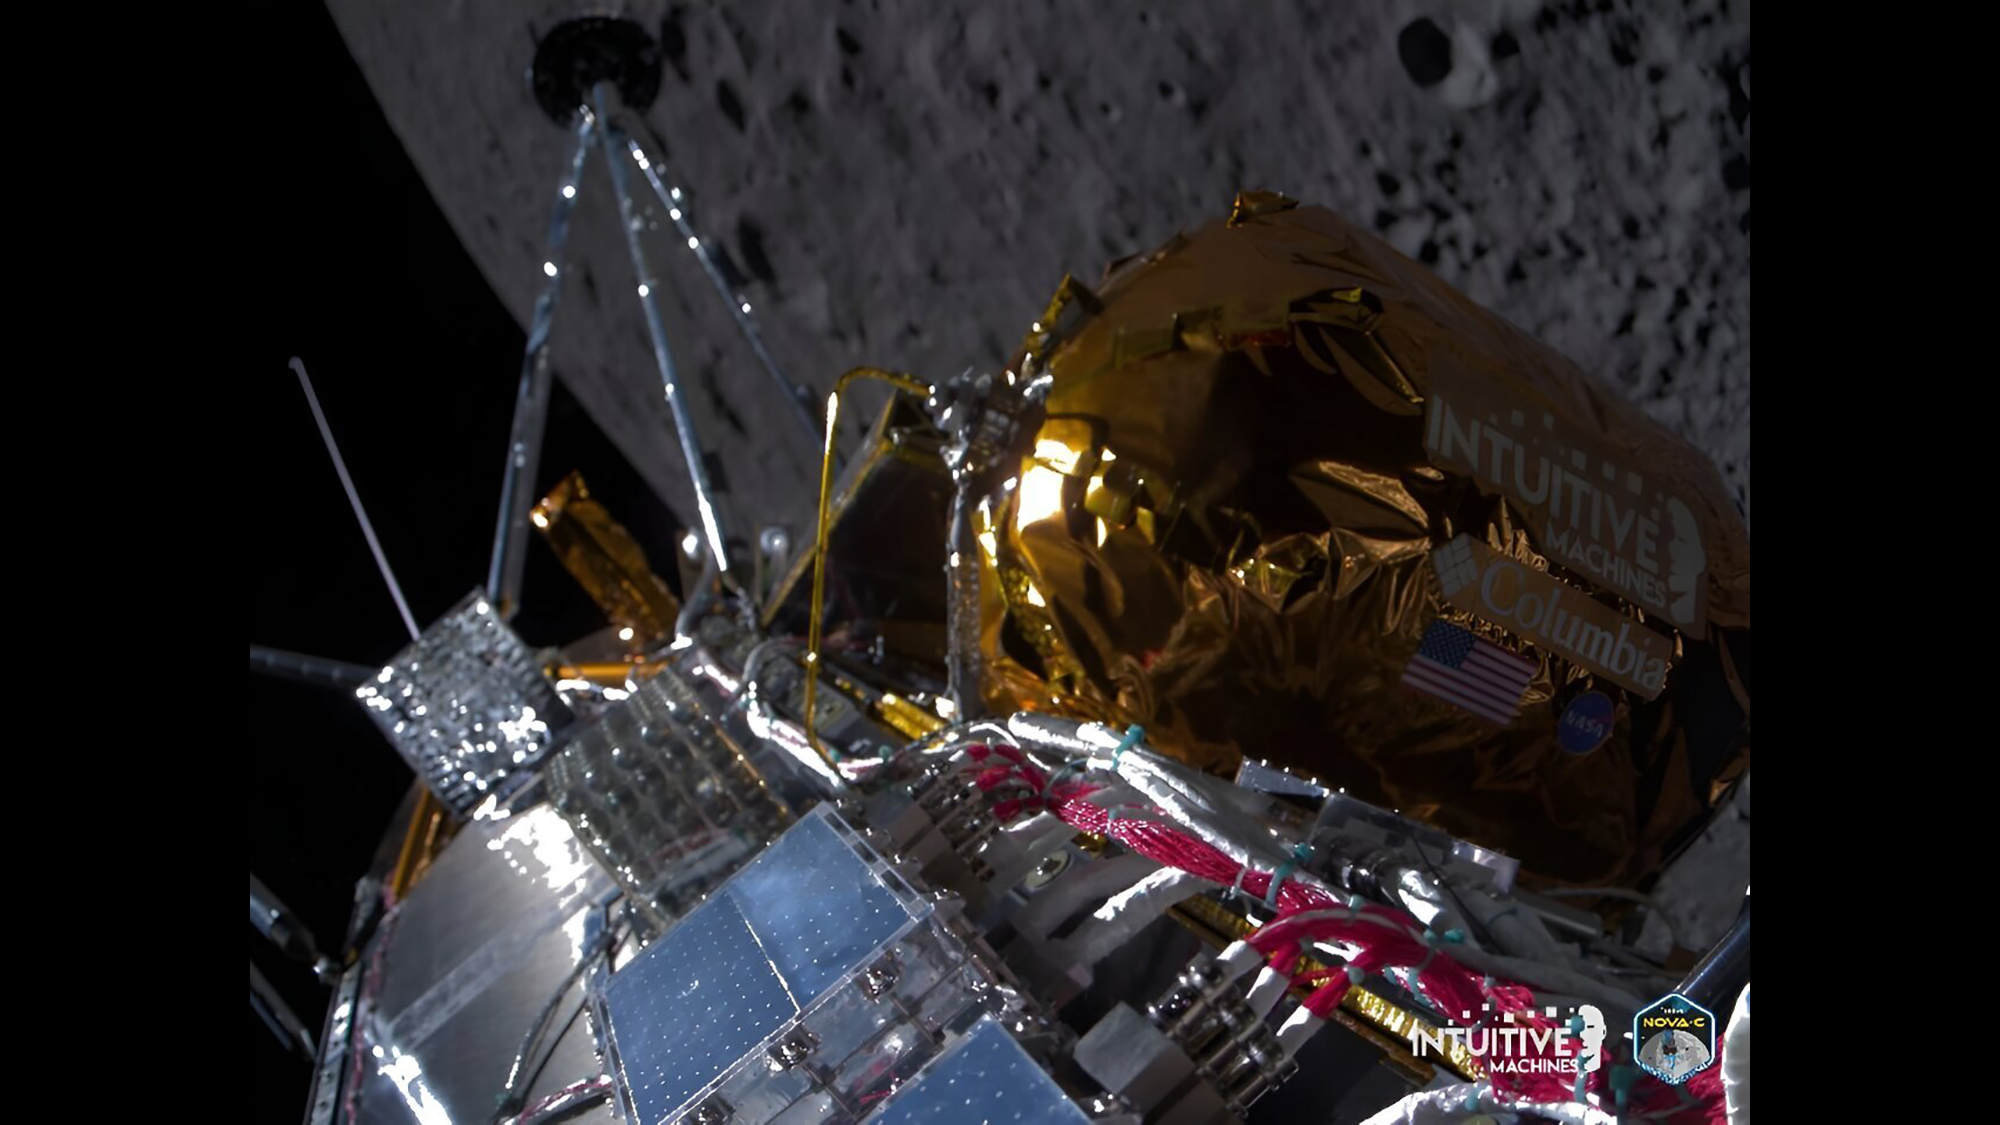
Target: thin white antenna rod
pixel 354 499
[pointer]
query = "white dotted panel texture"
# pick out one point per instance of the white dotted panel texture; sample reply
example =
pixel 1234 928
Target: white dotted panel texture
pixel 795 922
pixel 986 1079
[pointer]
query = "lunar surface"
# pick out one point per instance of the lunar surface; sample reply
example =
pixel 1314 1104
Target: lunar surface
pixel 904 183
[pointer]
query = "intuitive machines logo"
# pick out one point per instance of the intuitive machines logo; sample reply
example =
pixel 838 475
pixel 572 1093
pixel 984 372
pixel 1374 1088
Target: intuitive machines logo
pixel 1568 1049
pixel 1600 511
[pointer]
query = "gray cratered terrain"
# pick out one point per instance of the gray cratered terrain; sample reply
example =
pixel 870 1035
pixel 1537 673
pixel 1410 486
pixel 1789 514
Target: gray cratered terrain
pixel 904 182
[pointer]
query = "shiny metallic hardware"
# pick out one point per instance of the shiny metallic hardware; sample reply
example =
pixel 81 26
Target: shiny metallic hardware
pixel 1246 1060
pixel 614 142
pixel 679 207
pixel 1046 871
pixel 794 1048
pixel 880 978
pixel 531 398
pixel 467 706
pixel 315 670
pixel 1206 1018
pixel 1187 1010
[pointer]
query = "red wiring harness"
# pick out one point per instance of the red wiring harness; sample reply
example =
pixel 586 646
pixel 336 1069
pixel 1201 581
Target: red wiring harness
pixel 1385 937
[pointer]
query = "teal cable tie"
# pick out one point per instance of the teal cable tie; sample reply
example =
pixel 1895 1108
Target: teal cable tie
pixel 1133 734
pixel 1278 880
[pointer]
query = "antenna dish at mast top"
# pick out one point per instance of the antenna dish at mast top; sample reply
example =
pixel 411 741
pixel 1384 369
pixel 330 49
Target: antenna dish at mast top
pixel 579 53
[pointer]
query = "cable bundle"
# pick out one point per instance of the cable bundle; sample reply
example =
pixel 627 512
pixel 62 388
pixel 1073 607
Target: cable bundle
pixel 1308 913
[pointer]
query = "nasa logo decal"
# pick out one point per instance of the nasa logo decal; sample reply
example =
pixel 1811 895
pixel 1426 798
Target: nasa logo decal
pixel 1675 1039
pixel 1586 723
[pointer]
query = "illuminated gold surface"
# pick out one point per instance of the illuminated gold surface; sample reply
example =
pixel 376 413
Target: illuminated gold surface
pixel 607 562
pixel 1221 525
pixel 439 828
pixel 906 718
pixel 605 673
pixel 422 837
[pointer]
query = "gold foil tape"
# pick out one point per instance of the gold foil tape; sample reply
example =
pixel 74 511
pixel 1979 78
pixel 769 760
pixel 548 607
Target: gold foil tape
pixel 1224 515
pixel 607 562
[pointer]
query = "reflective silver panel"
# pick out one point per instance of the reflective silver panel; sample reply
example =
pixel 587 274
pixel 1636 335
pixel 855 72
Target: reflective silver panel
pixel 664 798
pixel 467 961
pixel 984 1079
pixel 467 706
pixel 806 916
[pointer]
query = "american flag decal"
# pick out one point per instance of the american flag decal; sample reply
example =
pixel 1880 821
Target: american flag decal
pixel 1469 673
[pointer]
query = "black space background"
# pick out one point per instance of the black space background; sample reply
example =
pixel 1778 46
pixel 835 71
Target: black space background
pixel 415 362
